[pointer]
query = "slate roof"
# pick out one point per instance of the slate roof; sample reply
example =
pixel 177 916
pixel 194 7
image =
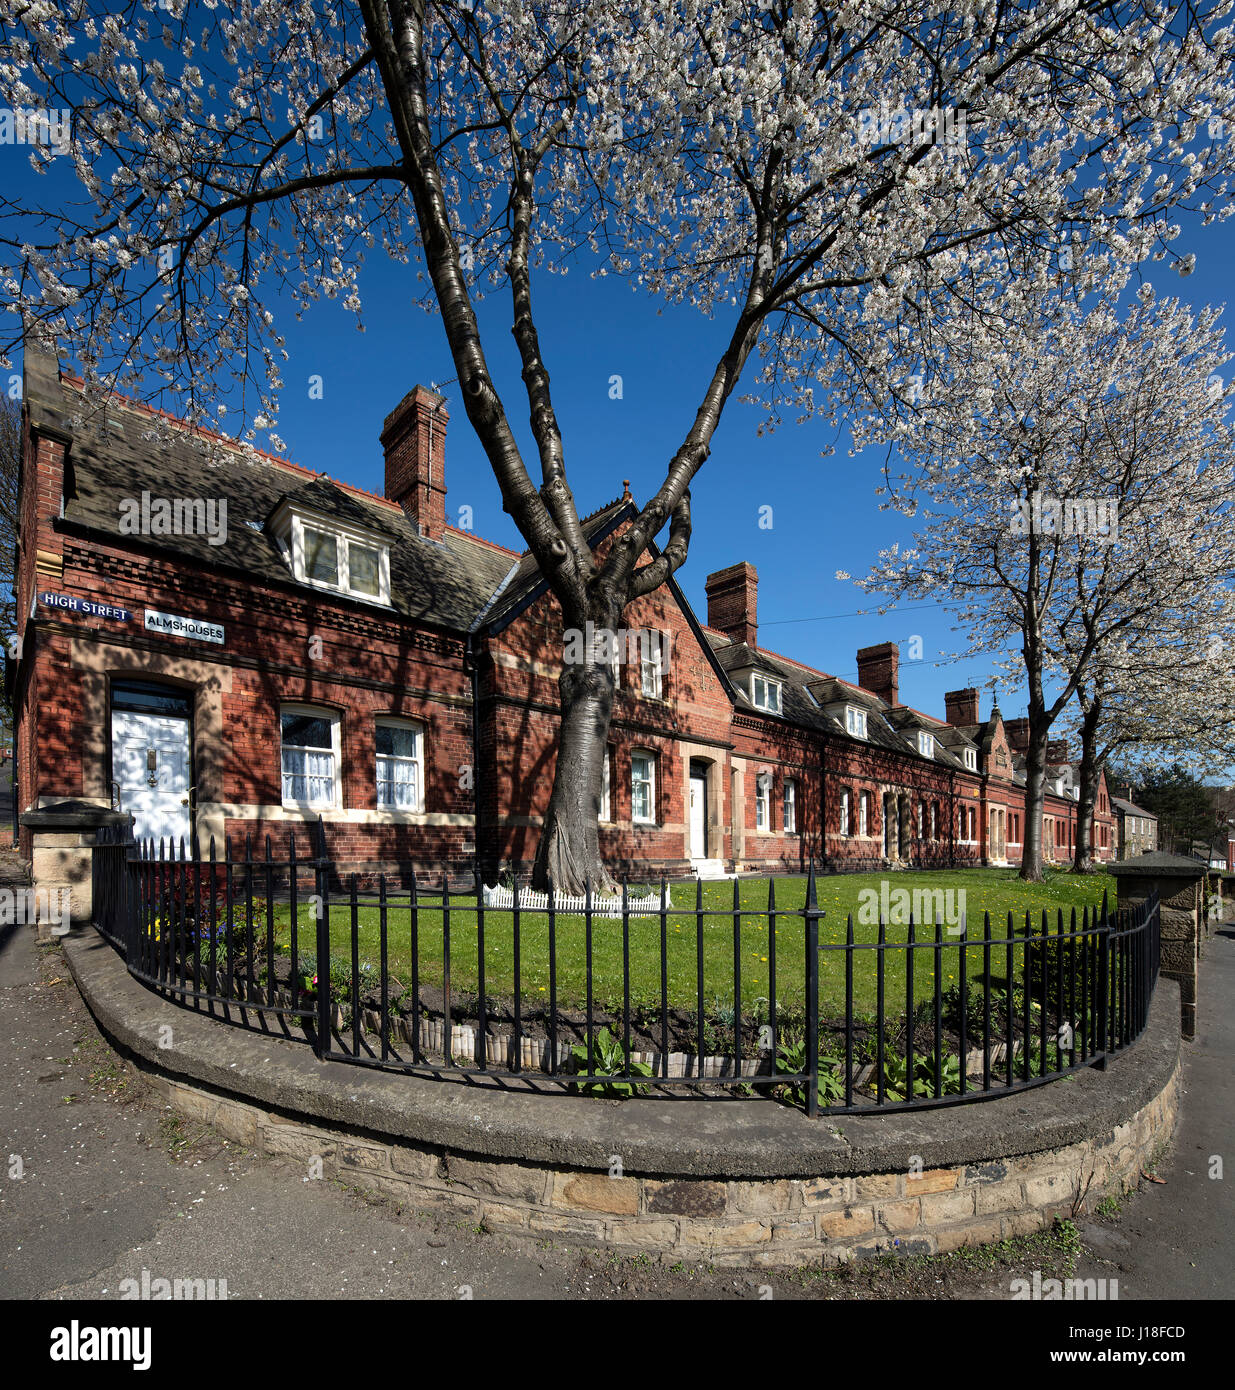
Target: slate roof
pixel 525 583
pixel 804 691
pixel 1130 808
pixel 444 584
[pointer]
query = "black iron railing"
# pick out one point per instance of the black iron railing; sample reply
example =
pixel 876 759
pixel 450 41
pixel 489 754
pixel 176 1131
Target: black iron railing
pixel 441 978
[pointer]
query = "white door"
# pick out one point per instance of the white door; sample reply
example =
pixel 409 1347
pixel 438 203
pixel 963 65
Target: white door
pixel 698 823
pixel 150 761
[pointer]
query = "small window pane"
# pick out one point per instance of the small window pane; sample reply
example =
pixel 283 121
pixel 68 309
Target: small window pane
pixel 306 731
pixel 149 698
pixel 364 569
pixel 321 556
pixel 398 783
pixel 396 741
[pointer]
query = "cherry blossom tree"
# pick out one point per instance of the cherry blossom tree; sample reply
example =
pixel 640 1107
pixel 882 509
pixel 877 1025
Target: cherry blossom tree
pixel 831 182
pixel 1077 488
pixel 1162 695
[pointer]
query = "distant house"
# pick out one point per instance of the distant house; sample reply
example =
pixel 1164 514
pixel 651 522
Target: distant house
pixel 1215 853
pixel 1137 828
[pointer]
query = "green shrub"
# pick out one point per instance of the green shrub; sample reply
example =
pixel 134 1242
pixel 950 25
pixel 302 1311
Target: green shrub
pixel 895 1080
pixel 791 1060
pixel 607 1058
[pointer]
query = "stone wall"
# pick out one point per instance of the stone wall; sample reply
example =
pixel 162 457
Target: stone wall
pixel 1178 884
pixel 778 1222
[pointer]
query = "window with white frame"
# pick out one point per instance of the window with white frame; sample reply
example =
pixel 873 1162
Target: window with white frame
pixel 765 693
pixel 309 756
pixel 855 721
pixel 934 821
pixel 606 801
pixel 971 759
pixel 400 765
pixel 643 787
pixel 651 665
pixel 862 813
pixel 763 811
pixel 844 813
pixel 330 557
pixel 926 744
pixel 789 807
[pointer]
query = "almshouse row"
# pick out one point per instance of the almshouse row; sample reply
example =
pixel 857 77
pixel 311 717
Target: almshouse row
pixel 222 643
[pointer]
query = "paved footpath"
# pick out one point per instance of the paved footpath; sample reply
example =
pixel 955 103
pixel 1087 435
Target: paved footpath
pixel 112 1183
pixel 1177 1239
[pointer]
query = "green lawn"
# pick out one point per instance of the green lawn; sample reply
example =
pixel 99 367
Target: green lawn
pixel 997 891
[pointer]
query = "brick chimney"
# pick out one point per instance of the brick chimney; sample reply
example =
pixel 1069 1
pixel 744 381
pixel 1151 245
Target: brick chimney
pixel 879 671
pixel 1017 731
pixel 961 706
pixel 733 602
pixel 414 438
pixel 1057 751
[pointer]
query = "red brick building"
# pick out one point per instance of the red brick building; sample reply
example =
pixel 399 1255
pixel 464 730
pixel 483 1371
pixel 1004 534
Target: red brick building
pixel 222 643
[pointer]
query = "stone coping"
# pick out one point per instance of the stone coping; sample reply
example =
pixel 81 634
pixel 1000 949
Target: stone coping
pixel 507 1118
pixel 1158 864
pixel 72 815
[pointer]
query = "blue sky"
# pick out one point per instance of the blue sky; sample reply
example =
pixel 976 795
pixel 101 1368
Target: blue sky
pixel 824 511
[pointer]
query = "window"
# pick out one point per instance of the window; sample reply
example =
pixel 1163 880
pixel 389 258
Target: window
pixel 321 556
pixel 147 697
pixel 844 813
pixel 643 788
pixel 651 665
pixel 789 801
pixel 926 744
pixel 765 693
pixel 310 756
pixel 337 559
pixel 921 817
pixel 934 820
pixel 971 759
pixel 400 765
pixel 364 564
pixel 763 810
pixel 855 721
pixel 606 807
pixel 862 814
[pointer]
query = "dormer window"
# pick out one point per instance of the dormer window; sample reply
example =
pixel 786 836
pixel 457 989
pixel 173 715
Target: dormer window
pixel 855 721
pixel 765 694
pixel 336 560
pixel 971 759
pixel 926 744
pixel 333 555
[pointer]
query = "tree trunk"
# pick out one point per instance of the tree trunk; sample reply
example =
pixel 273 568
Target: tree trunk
pixel 1035 788
pixel 1091 771
pixel 1082 857
pixel 568 856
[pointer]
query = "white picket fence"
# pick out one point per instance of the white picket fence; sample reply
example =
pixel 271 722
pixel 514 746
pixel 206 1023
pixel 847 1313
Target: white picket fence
pixel 648 905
